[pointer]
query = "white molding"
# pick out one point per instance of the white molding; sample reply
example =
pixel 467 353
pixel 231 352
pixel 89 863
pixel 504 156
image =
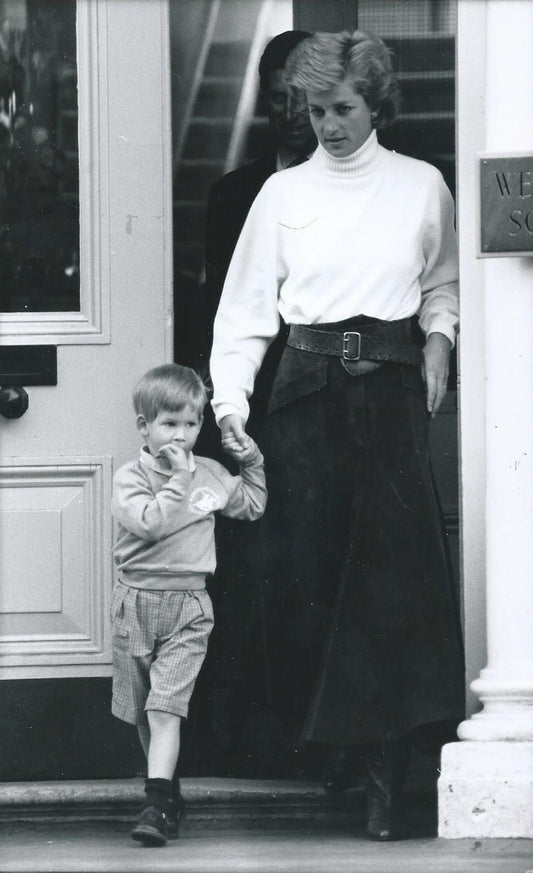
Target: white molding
pixel 485 786
pixel 66 645
pixel 92 323
pixel 166 181
pixel 470 139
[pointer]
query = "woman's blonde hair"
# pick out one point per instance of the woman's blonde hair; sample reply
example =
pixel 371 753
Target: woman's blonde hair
pixel 322 61
pixel 169 387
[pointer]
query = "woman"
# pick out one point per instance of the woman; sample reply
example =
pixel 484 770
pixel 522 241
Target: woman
pixel 348 247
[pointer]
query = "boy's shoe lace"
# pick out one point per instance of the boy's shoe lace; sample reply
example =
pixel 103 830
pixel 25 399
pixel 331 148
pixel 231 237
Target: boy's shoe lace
pixel 177 810
pixel 151 827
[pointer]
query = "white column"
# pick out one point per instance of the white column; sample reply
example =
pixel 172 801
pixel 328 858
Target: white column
pixel 486 783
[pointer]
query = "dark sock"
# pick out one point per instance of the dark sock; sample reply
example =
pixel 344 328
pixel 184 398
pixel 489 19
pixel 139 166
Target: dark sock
pixel 158 793
pixel 176 787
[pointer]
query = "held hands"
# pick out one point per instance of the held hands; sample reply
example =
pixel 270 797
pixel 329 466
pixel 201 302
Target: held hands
pixel 175 456
pixel 435 369
pixel 235 440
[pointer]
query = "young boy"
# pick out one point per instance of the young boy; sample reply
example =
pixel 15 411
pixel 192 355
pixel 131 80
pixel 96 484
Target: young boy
pixel 164 503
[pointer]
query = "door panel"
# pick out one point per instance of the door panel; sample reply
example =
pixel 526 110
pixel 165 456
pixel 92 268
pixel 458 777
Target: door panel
pixel 54 566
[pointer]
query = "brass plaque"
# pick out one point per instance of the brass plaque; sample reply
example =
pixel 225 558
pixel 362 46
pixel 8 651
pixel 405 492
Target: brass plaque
pixel 506 193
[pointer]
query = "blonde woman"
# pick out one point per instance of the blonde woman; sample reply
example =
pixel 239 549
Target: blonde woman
pixel 348 248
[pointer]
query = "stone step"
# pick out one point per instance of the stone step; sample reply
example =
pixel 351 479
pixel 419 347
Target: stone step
pixel 233 825
pixel 218 95
pixel 227 58
pixel 207 799
pixel 422 52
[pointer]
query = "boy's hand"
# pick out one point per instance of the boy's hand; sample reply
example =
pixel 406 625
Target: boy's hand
pixel 235 440
pixel 175 456
pixel 245 456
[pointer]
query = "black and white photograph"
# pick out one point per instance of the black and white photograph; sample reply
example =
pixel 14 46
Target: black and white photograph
pixel 266 436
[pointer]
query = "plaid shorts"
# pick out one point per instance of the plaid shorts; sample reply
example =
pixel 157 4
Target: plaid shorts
pixel 159 645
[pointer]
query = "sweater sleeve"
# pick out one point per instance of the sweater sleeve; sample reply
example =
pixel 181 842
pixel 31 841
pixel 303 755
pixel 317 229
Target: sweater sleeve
pixel 439 308
pixel 137 508
pixel 248 498
pixel 247 319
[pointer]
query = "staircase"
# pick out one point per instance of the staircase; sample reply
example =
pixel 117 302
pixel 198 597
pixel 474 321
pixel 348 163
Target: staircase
pixel 425 129
pixel 221 110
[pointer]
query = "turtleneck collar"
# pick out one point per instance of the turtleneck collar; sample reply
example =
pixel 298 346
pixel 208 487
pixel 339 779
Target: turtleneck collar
pixel 366 158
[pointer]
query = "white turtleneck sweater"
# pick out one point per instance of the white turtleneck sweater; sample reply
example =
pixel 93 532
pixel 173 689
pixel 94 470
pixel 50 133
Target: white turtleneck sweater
pixel 370 234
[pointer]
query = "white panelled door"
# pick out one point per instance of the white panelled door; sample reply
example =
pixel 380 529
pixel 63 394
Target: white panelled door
pixel 57 460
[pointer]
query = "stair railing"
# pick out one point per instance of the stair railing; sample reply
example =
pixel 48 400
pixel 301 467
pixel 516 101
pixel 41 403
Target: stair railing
pixel 248 97
pixel 188 111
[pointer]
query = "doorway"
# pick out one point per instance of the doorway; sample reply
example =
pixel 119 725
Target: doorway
pixel 218 124
pixel 54 637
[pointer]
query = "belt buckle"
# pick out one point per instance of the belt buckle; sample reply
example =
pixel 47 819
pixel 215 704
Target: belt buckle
pixel 347 352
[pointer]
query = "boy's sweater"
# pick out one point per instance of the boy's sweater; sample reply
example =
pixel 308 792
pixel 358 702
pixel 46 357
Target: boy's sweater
pixel 165 538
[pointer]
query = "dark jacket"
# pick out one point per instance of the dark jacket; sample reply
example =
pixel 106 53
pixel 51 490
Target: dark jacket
pixel 230 199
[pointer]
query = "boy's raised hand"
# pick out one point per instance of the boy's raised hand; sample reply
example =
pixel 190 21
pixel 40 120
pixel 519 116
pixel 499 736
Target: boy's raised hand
pixel 244 456
pixel 175 456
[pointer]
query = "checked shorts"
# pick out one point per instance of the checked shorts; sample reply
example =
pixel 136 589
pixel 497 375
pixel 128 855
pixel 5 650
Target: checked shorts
pixel 159 645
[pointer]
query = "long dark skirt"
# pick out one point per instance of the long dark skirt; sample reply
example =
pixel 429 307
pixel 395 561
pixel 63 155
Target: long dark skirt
pixel 365 625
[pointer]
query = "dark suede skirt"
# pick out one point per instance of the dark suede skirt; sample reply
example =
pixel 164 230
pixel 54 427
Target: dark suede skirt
pixel 365 629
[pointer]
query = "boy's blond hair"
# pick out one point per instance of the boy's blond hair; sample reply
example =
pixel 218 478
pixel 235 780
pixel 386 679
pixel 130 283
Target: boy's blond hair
pixel 169 387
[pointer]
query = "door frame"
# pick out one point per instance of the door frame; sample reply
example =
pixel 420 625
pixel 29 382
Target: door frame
pixel 471 64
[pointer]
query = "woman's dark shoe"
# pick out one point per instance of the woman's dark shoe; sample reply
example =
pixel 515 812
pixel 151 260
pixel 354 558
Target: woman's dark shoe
pixel 337 773
pixel 177 810
pixel 385 819
pixel 386 770
pixel 151 828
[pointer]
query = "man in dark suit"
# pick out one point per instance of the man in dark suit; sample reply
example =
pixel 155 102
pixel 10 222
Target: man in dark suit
pixel 244 721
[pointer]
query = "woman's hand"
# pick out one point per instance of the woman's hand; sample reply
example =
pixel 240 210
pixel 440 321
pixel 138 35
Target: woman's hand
pixel 235 440
pixel 435 369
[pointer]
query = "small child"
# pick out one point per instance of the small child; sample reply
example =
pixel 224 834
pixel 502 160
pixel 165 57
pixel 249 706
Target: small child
pixel 164 503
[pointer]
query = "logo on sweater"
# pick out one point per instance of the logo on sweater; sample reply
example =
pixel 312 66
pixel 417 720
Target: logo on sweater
pixel 203 501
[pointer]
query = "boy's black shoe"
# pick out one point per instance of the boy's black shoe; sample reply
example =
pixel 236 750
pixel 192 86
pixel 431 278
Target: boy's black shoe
pixel 177 810
pixel 151 827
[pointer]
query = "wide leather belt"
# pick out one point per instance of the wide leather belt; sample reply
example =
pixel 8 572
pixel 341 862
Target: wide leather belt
pixel 379 341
